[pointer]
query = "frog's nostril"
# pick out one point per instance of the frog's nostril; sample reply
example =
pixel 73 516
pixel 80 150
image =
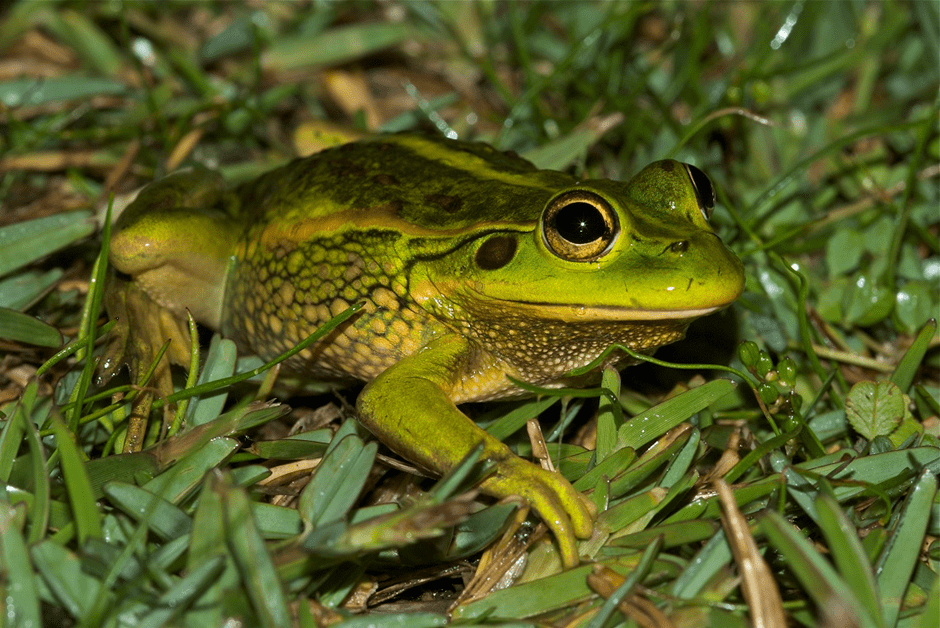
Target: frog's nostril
pixel 679 247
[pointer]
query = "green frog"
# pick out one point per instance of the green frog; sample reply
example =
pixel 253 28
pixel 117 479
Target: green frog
pixel 473 265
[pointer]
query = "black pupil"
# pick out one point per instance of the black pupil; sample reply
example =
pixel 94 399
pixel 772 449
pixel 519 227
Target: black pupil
pixel 704 186
pixel 579 223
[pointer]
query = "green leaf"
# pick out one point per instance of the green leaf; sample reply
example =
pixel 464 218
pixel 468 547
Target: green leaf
pixel 843 251
pixel 916 303
pixel 874 409
pixel 868 303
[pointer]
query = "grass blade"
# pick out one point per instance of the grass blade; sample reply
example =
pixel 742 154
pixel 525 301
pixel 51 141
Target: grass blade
pixel 849 555
pixel 896 563
pixel 78 487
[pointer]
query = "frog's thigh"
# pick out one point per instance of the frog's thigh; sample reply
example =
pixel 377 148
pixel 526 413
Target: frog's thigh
pixel 409 409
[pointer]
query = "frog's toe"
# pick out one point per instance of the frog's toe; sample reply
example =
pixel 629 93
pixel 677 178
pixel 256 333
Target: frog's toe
pixel 557 503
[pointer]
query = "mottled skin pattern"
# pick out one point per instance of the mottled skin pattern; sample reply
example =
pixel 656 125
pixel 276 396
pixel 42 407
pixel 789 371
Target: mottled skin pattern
pixel 472 265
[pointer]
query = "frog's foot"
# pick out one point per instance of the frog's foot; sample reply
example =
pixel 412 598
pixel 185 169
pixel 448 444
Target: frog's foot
pixel 559 504
pixel 141 328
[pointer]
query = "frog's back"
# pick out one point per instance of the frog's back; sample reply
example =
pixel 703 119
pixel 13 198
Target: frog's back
pixel 423 181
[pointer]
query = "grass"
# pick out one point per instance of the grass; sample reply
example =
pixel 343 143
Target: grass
pixel 818 123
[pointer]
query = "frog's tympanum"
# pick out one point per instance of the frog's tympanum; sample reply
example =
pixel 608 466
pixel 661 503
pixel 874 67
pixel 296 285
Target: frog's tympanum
pixel 474 266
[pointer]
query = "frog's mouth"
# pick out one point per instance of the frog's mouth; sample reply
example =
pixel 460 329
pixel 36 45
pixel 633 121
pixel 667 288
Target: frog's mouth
pixel 592 313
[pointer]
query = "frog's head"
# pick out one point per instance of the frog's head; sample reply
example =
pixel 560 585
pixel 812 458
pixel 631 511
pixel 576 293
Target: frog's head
pixel 629 254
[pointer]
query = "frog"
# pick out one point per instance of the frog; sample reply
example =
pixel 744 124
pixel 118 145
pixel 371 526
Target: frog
pixel 475 271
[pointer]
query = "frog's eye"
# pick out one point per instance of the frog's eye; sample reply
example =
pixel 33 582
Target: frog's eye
pixel 579 226
pixel 703 190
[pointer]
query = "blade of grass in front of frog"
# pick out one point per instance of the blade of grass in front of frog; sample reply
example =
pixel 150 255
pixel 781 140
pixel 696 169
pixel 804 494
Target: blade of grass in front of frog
pixel 633 513
pixel 599 580
pixel 702 568
pixel 183 593
pixel 77 485
pixel 206 540
pixel 90 310
pixel 513 420
pixel 72 347
pixel 40 509
pixel 759 452
pixel 587 368
pixel 220 364
pixel 904 372
pixel 11 436
pixel 152 461
pixel 681 534
pixel 159 515
pixel 21 608
pixel 337 481
pixel 192 375
pixel 818 578
pixel 62 573
pixel 662 452
pixel 557 392
pixel 254 561
pixel 180 479
pixel 661 418
pixel 851 560
pixel 609 414
pixel 133 392
pixel 534 597
pixel 899 556
pixel 462 477
pixel 322 331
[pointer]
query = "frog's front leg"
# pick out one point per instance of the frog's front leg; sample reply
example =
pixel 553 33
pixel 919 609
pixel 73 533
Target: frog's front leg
pixel 408 407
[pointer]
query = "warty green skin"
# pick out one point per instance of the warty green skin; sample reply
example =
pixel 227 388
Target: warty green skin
pixel 447 244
